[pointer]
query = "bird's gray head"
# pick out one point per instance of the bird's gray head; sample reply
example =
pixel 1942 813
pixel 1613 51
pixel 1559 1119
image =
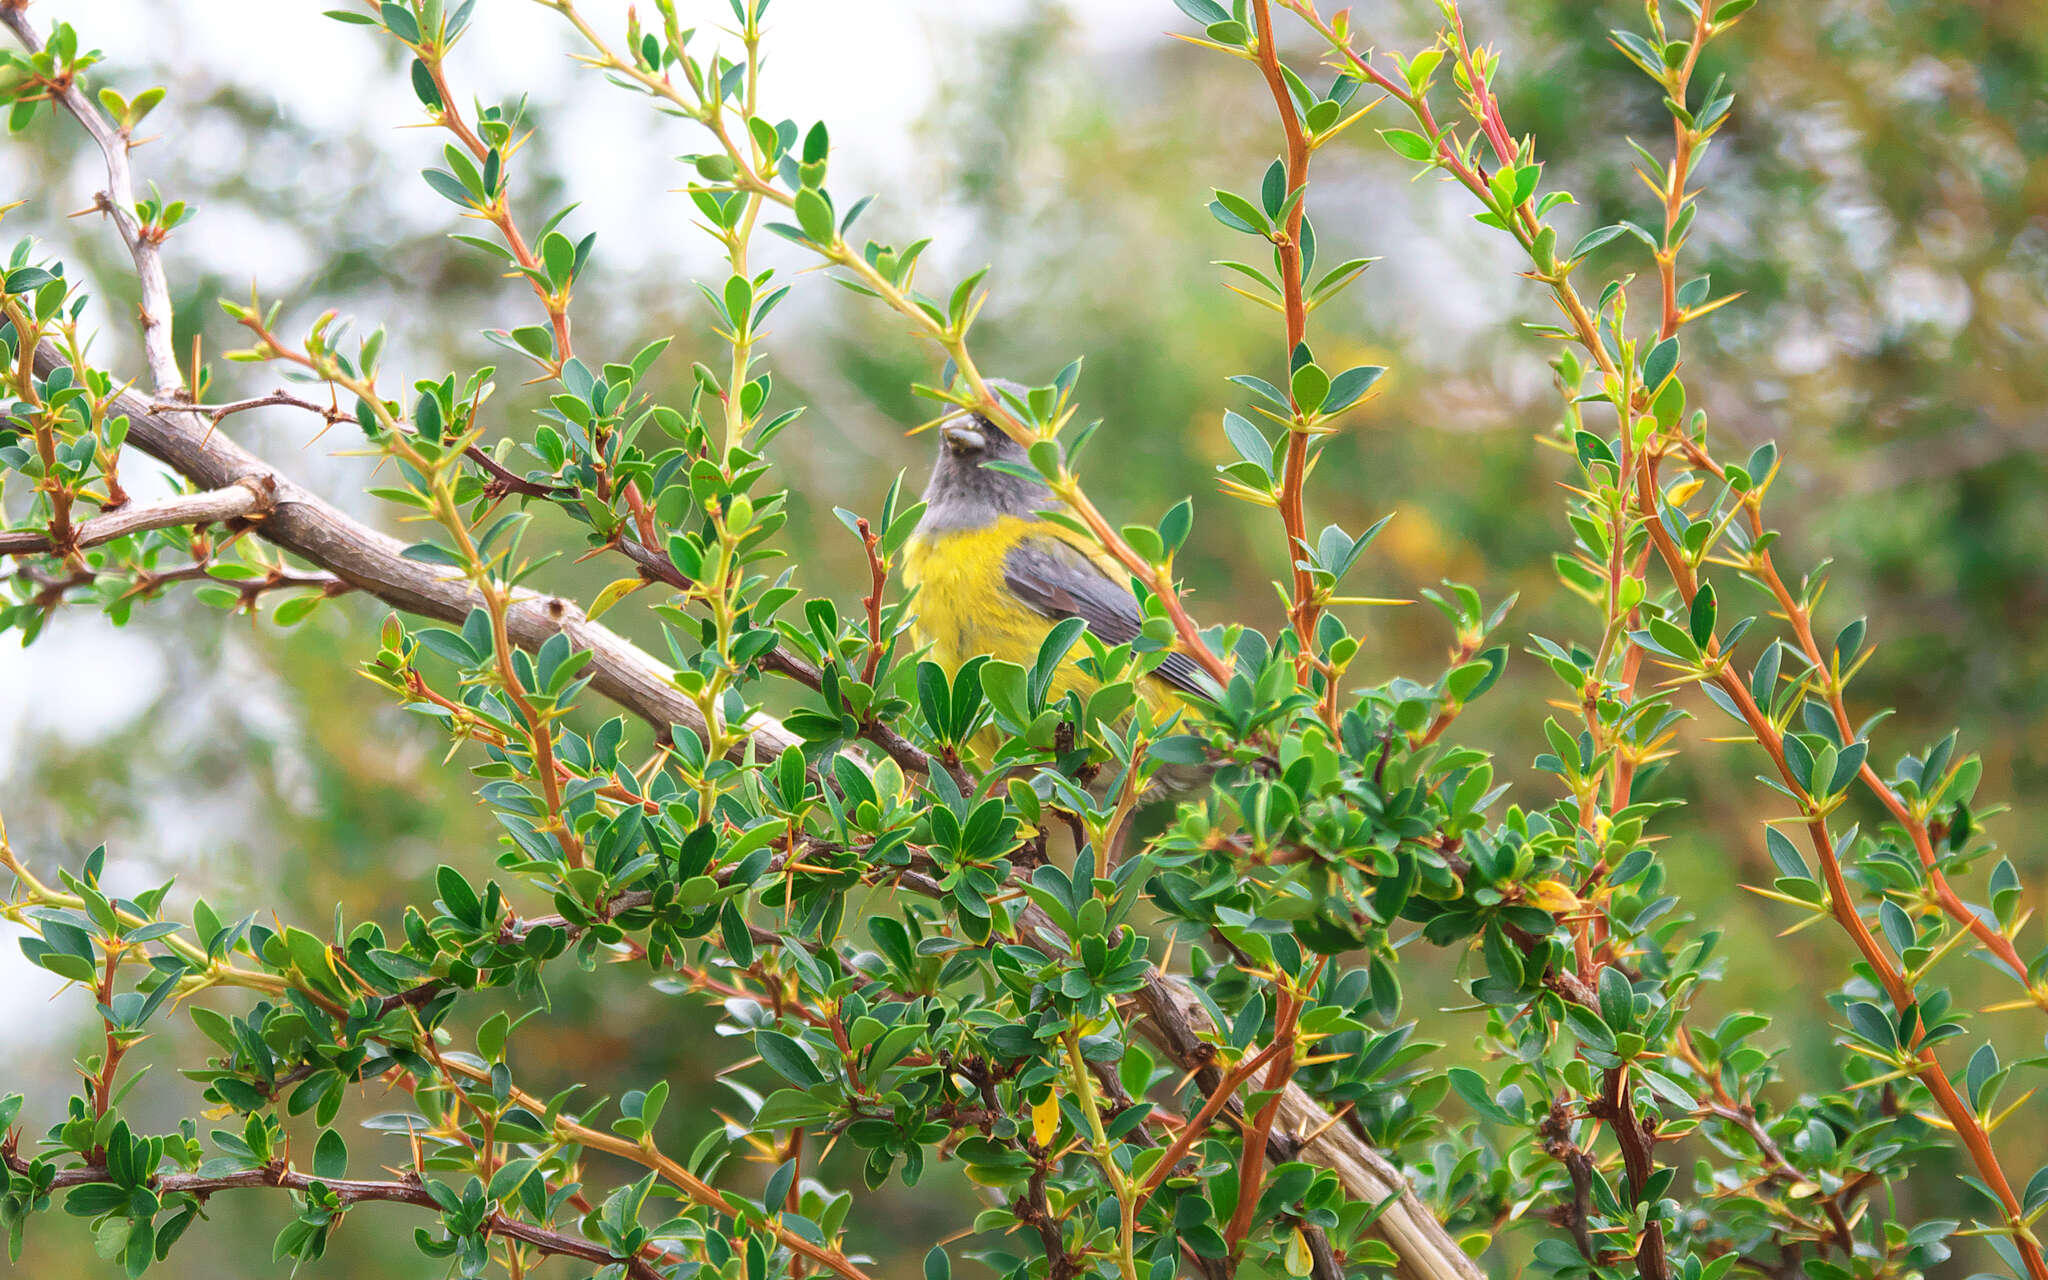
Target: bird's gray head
pixel 966 494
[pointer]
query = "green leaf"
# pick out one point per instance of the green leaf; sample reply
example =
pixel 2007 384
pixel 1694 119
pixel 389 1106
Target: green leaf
pixel 1898 927
pixel 1617 998
pixel 330 1155
pixel 1639 50
pixel 1849 642
pixel 27 279
pixel 1273 189
pixel 1051 652
pixel 511 1176
pixel 399 21
pixel 1261 388
pixel 1701 621
pixel 432 553
pixel 294 611
pixel 1659 364
pixel 1847 765
pixel 1471 1087
pixel 1675 642
pixel 1589 1028
pixel 424 88
pixel 788 1059
pixel 1408 144
pixel 458 898
pixel 558 257
pixel 1239 214
pixel 1785 855
pixel 1421 67
pixel 1348 386
pixel 1250 443
pixel 1594 239
pixel 814 215
pixel 1799 760
pixel 490 1037
pixel 1869 1022
pixel 110 1238
pixel 1174 529
pixel 1311 386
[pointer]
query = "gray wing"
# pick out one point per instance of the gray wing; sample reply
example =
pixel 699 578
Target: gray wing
pixel 1058 581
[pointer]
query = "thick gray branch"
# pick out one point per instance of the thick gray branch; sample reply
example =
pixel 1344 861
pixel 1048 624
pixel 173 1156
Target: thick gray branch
pixel 309 527
pixel 304 524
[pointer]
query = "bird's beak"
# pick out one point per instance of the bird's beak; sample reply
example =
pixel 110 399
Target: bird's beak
pixel 962 438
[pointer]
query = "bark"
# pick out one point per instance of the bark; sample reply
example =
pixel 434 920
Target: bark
pixel 304 524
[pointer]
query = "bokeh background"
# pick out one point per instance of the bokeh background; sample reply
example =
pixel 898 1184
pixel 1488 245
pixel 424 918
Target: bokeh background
pixel 1881 199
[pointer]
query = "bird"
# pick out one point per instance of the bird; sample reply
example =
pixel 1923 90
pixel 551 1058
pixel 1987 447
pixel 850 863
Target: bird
pixel 993 576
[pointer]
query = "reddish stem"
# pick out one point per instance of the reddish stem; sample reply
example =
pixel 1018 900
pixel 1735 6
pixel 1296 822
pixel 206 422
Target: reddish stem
pixel 1842 905
pixel 1801 619
pixel 1251 1169
pixel 1294 470
pixel 1684 139
pixel 1218 1099
pixel 103 1085
pixel 878 574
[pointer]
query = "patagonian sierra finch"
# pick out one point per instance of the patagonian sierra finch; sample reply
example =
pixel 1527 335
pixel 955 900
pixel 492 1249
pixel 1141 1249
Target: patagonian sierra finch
pixel 993 577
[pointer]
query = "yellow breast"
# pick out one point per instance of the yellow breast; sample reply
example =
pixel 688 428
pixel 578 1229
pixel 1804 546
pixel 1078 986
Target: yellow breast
pixel 965 609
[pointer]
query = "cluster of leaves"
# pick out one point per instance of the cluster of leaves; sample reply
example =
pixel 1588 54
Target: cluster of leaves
pixel 933 909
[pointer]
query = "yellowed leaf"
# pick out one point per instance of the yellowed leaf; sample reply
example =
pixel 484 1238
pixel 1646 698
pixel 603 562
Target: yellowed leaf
pixel 615 592
pixel 1045 1120
pixel 1300 1261
pixel 1553 895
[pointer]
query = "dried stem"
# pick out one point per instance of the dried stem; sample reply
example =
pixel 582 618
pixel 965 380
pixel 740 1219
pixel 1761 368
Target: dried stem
pixel 243 499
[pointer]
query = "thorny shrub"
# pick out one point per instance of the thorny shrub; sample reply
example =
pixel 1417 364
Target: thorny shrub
pixel 923 900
